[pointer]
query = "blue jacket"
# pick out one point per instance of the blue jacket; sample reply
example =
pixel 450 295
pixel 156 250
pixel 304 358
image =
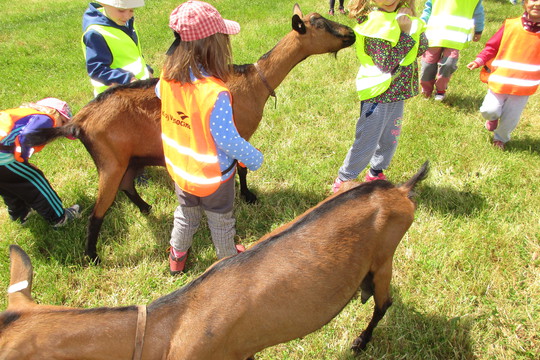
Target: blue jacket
pixel 98 55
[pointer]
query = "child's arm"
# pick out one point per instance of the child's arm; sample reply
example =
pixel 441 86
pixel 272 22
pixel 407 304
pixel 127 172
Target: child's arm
pixel 227 137
pixel 426 14
pixel 34 123
pixel 489 52
pixel 386 57
pixel 99 60
pixel 479 21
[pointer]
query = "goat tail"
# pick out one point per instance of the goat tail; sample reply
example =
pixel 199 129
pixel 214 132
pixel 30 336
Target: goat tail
pixel 46 135
pixel 419 176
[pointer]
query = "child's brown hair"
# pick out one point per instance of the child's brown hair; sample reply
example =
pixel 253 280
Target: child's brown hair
pixel 212 53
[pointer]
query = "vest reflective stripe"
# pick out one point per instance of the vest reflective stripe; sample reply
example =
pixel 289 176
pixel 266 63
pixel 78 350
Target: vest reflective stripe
pixel 188 145
pixel 370 80
pixel 8 119
pixel 451 23
pixel 203 158
pixel 126 54
pixel 515 70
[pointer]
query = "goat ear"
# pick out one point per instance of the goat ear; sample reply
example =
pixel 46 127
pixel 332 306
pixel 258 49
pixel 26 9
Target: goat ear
pixel 297 11
pixel 20 283
pixel 298 25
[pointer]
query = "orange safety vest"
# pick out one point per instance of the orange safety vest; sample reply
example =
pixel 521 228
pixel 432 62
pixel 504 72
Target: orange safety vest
pixel 8 119
pixel 189 148
pixel 515 70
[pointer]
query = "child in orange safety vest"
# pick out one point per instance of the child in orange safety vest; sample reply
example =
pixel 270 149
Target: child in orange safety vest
pixel 510 65
pixel 200 141
pixel 22 185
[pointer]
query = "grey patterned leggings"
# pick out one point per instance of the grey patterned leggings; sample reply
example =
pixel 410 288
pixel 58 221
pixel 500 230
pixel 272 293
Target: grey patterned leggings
pixel 376 140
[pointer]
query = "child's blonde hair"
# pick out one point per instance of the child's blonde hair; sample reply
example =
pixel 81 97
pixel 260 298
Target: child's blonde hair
pixel 212 53
pixel 359 8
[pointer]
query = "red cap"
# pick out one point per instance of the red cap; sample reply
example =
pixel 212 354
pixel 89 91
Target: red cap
pixel 195 20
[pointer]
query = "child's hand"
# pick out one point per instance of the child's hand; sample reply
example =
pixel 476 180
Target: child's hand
pixel 477 37
pixel 404 21
pixel 473 65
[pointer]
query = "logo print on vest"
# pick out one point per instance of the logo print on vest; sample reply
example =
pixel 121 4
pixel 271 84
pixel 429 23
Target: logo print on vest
pixel 177 120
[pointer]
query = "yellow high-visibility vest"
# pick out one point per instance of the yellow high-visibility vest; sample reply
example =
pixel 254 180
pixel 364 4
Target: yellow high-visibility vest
pixel 451 23
pixel 126 54
pixel 370 80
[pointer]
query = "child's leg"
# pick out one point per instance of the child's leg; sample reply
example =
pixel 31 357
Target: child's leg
pixel 511 113
pixel 218 208
pixel 222 228
pixel 31 187
pixel 448 66
pixel 389 139
pixel 428 71
pixel 369 128
pixel 17 208
pixel 186 222
pixel 491 108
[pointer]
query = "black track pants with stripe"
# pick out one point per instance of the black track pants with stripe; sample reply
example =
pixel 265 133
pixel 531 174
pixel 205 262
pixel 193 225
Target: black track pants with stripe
pixel 23 187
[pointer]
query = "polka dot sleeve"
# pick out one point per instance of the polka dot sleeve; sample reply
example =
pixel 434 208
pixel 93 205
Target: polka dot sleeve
pixel 229 143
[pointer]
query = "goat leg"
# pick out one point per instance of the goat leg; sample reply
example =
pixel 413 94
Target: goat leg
pixel 248 196
pixel 361 342
pixel 94 225
pixel 128 187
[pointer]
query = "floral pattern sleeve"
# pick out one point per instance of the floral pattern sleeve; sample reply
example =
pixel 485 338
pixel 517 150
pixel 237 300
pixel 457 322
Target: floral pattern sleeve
pixel 387 58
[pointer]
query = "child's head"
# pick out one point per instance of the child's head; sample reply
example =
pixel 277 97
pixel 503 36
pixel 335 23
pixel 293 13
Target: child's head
pixel 54 107
pixel 120 11
pixel 532 7
pixel 201 40
pixel 363 7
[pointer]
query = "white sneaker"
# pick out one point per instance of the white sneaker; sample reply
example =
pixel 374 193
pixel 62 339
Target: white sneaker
pixel 440 96
pixel 70 213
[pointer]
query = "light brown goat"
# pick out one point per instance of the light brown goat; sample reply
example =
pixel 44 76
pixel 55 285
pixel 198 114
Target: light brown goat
pixel 121 128
pixel 289 284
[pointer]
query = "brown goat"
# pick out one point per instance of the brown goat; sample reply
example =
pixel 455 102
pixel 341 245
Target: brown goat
pixel 235 309
pixel 121 128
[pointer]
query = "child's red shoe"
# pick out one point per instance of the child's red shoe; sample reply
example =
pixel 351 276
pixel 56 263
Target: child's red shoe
pixel 177 261
pixel 491 125
pixel 381 176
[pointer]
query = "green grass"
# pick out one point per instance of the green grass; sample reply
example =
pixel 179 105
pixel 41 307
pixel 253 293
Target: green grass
pixel 466 275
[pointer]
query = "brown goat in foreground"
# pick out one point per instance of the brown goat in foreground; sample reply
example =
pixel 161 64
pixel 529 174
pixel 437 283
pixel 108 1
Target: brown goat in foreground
pixel 121 128
pixel 290 283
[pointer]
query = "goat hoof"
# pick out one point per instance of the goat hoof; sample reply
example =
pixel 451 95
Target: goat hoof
pixel 359 345
pixel 249 197
pixel 145 210
pixel 93 258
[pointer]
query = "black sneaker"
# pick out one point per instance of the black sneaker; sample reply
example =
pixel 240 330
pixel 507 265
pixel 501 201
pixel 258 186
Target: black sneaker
pixel 70 213
pixel 23 217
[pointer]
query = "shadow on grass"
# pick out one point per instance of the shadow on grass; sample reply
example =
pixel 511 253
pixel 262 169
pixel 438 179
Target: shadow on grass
pixel 467 103
pixel 406 333
pixel 449 201
pixel 525 144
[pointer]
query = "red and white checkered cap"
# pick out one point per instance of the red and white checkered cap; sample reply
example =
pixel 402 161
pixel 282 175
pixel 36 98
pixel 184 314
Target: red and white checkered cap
pixel 195 20
pixel 61 106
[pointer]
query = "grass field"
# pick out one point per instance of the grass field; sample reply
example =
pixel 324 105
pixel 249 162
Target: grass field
pixel 466 278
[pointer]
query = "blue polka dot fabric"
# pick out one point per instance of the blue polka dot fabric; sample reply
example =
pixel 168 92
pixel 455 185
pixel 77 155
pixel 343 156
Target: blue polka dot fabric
pixel 230 145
